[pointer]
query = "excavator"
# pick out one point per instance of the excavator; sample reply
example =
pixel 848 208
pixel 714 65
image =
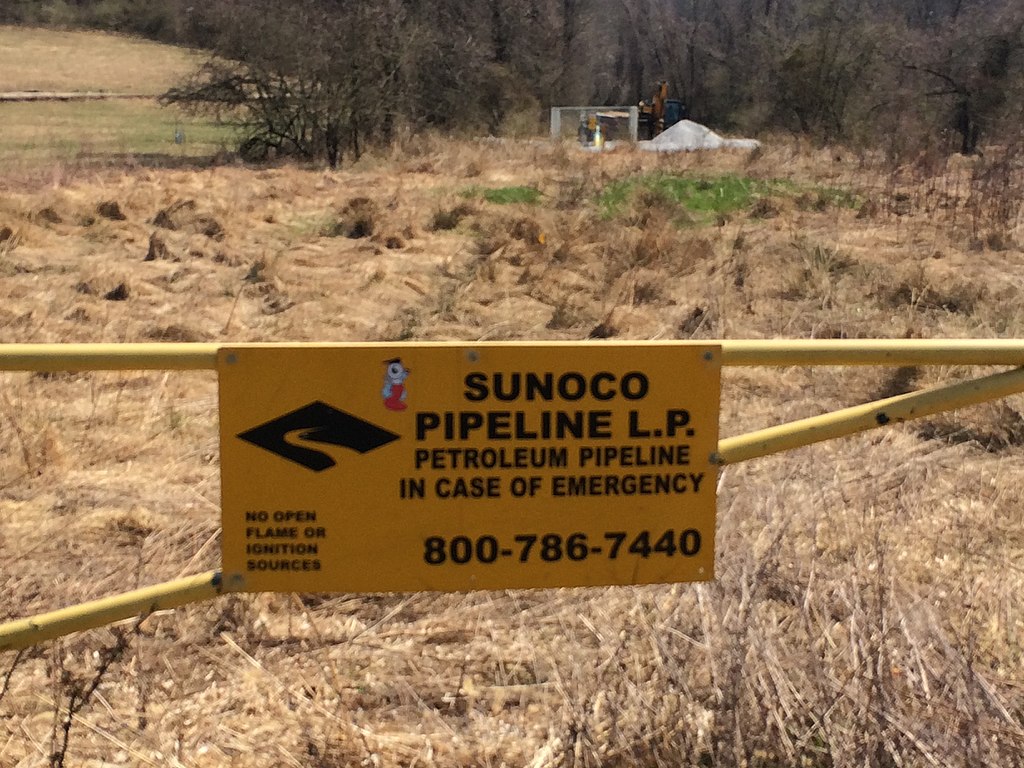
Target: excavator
pixel 659 113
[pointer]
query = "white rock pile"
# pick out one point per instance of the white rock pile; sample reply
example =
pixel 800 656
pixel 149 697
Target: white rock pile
pixel 688 136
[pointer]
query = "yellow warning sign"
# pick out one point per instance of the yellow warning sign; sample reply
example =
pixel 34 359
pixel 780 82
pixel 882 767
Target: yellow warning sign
pixel 391 467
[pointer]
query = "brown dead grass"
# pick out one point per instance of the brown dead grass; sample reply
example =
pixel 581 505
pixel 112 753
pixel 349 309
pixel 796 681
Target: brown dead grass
pixel 56 60
pixel 867 607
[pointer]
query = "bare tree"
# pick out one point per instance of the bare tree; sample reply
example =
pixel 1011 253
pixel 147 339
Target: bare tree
pixel 973 65
pixel 313 78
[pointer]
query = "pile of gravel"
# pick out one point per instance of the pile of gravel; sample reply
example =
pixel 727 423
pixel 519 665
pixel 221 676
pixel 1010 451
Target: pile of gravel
pixel 687 136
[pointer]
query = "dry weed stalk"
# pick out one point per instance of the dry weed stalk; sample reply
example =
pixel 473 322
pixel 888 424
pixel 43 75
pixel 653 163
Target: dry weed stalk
pixel 77 692
pixel 10 672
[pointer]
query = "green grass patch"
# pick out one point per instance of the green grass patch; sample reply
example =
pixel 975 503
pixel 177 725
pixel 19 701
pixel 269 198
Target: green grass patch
pixel 700 200
pixel 703 200
pixel 505 195
pixel 35 132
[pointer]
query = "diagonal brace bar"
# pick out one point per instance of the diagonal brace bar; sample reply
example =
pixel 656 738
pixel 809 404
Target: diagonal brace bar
pixel 22 633
pixel 860 418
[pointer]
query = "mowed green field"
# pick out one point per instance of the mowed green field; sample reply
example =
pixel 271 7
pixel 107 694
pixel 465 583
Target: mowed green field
pixel 34 133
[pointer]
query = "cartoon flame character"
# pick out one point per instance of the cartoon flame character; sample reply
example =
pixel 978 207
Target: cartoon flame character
pixel 394 391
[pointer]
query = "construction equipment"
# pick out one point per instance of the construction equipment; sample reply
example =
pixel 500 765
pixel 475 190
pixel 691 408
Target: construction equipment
pixel 660 112
pixel 596 128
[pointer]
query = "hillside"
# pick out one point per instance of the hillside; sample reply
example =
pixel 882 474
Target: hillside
pixel 54 60
pixel 866 610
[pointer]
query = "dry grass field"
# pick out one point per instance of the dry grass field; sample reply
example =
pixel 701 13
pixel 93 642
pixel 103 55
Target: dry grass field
pixel 53 60
pixel 867 607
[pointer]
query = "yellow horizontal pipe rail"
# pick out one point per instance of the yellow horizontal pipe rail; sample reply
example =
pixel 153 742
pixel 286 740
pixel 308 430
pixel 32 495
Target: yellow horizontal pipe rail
pixel 860 418
pixel 22 633
pixel 108 357
pixel 782 352
pixel 769 352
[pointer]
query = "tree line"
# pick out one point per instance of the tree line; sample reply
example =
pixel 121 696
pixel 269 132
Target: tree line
pixel 325 78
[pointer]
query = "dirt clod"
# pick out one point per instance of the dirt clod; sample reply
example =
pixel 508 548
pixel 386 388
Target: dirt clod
pixel 603 330
pixel 449 218
pixel 697 320
pixel 527 230
pixel 118 293
pixel 49 215
pixel 764 208
pixel 110 209
pixel 868 210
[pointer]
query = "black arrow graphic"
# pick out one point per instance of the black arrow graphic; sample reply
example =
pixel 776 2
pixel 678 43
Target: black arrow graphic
pixel 321 424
